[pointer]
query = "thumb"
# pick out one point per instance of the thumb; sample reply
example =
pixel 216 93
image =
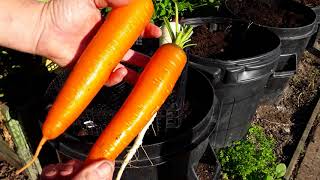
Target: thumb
pixel 96 171
pixel 109 3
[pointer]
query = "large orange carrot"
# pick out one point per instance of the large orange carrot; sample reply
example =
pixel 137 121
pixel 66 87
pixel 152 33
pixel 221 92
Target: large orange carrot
pixel 154 85
pixel 149 93
pixel 118 33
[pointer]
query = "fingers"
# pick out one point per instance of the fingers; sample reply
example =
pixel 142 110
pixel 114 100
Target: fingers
pixel 117 75
pixel 135 58
pixel 151 31
pixel 49 172
pixel 131 77
pixel 76 165
pixel 97 170
pixel 61 171
pixel 109 3
pixel 122 73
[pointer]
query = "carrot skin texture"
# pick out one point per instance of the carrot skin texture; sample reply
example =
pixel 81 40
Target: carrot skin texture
pixel 154 85
pixel 118 33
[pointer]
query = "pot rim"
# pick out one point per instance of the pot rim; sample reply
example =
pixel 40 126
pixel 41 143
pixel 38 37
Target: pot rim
pixel 241 61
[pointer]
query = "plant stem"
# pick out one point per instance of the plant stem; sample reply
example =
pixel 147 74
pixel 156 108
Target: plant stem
pixel 182 34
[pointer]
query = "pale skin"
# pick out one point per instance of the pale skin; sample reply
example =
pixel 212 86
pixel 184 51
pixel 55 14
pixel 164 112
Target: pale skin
pixel 60 30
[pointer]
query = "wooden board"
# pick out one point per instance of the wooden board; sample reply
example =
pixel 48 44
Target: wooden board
pixel 22 147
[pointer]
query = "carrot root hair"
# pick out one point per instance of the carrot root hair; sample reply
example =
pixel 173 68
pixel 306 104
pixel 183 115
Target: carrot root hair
pixel 137 143
pixel 42 142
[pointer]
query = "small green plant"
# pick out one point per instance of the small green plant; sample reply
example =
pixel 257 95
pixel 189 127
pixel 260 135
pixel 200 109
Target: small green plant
pixel 165 8
pixel 252 158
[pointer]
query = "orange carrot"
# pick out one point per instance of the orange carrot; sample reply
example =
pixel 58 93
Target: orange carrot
pixel 149 93
pixel 118 33
pixel 154 85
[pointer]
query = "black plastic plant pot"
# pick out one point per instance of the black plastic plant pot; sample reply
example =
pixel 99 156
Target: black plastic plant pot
pixel 317 11
pixel 295 30
pixel 146 45
pixel 163 155
pixel 316 35
pixel 239 71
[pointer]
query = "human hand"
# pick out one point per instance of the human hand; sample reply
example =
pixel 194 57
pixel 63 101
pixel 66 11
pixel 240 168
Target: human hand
pixel 69 27
pixel 72 170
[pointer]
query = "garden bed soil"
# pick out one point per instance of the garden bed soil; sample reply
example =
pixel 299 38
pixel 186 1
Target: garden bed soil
pixel 9 172
pixel 286 120
pixel 265 13
pixel 205 171
pixel 6 170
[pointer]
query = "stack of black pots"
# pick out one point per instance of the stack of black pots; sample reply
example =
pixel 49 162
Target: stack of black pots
pixel 239 81
pixel 258 68
pixel 294 41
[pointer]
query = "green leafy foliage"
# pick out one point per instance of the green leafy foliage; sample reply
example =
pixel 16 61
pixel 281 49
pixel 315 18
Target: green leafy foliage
pixel 252 158
pixel 165 8
pixel 280 170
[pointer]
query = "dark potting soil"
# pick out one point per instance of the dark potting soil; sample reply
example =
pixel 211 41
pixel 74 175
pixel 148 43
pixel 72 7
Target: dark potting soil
pixel 311 3
pixel 221 44
pixel 287 119
pixel 208 44
pixel 227 41
pixel 265 14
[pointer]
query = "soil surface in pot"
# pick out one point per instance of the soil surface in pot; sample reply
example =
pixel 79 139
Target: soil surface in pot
pixel 225 43
pixel 311 3
pixel 208 44
pixel 265 14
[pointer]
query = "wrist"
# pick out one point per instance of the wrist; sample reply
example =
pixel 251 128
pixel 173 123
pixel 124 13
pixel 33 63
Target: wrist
pixel 39 28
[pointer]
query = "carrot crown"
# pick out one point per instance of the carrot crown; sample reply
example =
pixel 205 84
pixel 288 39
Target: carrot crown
pixel 182 35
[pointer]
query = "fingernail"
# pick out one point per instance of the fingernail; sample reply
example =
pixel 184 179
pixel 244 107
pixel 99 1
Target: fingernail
pixel 51 172
pixel 67 170
pixel 105 169
pixel 158 33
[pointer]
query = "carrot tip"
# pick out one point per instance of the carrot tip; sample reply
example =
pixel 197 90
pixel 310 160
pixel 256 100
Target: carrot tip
pixel 42 142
